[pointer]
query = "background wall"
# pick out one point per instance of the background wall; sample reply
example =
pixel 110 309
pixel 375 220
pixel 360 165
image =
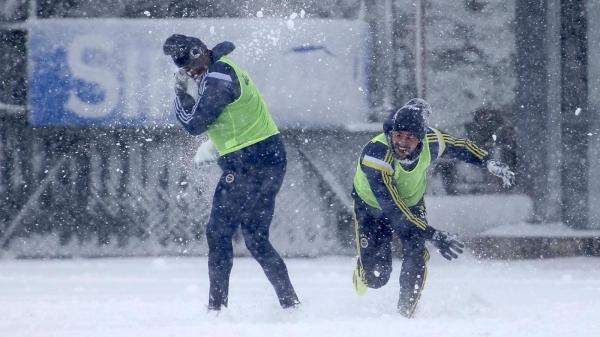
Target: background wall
pixel 122 183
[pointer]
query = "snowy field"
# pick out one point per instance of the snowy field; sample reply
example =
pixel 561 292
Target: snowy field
pixel 167 297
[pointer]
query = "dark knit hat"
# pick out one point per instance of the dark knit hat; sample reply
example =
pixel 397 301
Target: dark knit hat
pixel 181 48
pixel 411 118
pixel 421 105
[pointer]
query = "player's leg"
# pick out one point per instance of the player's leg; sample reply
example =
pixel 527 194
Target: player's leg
pixel 414 267
pixel 412 275
pixel 219 235
pixel 373 244
pixel 255 228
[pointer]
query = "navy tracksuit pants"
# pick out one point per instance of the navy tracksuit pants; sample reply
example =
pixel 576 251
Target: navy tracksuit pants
pixel 245 197
pixel 374 233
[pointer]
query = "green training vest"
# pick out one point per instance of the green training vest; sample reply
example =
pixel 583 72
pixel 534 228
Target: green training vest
pixel 411 185
pixel 245 121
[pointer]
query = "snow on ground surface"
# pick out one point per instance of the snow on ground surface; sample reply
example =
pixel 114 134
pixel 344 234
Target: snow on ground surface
pixel 167 297
pixel 546 230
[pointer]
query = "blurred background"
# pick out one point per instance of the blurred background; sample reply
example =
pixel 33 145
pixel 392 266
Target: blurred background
pixel 93 163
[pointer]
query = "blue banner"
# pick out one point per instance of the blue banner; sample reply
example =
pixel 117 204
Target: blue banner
pixel 112 72
pixel 92 72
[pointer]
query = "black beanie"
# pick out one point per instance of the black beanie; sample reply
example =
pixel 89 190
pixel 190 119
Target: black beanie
pixel 179 47
pixel 411 120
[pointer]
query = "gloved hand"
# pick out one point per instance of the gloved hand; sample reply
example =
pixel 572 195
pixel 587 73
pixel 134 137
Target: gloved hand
pixel 503 171
pixel 181 81
pixel 206 154
pixel 447 244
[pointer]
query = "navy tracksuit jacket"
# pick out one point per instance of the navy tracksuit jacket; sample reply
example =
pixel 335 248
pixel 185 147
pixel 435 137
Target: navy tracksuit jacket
pixel 245 194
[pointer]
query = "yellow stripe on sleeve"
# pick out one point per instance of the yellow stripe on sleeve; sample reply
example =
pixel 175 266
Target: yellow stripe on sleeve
pixel 470 146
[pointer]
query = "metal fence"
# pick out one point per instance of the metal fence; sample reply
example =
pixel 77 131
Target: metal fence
pixel 121 192
pixel 114 192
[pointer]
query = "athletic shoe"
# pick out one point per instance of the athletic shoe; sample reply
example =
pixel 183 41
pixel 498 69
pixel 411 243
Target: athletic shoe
pixel 360 284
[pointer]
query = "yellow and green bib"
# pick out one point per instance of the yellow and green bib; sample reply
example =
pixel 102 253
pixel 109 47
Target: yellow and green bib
pixel 410 185
pixel 245 121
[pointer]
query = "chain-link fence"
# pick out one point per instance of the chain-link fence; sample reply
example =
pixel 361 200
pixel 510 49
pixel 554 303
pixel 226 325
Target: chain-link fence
pixel 107 192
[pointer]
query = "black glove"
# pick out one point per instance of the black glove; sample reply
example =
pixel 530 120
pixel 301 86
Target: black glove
pixel 447 244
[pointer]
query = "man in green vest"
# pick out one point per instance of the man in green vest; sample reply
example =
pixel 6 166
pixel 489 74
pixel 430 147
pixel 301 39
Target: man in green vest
pixel 388 192
pixel 250 152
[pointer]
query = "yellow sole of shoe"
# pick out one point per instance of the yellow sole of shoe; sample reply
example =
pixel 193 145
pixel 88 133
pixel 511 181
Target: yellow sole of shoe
pixel 360 288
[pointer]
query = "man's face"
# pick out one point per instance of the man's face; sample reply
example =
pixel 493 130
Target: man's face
pixel 197 67
pixel 404 143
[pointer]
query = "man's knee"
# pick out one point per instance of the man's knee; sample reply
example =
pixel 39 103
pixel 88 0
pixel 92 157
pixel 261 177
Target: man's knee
pixel 218 237
pixel 378 276
pixel 256 244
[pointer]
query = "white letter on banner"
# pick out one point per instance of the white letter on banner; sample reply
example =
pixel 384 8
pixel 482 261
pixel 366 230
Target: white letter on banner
pixel 94 74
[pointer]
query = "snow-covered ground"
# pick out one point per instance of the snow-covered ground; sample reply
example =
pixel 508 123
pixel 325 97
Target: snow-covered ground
pixel 167 297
